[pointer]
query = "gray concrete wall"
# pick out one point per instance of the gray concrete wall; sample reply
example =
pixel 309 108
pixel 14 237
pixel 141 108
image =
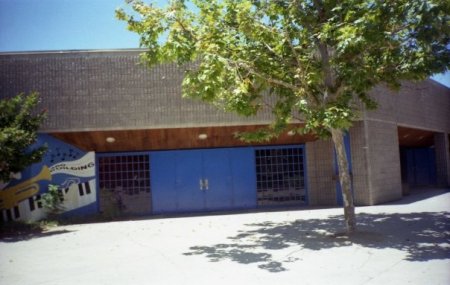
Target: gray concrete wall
pixel 376 162
pixel 442 150
pixel 360 172
pixel 108 90
pixel 376 176
pixel 320 171
pixel 94 90
pixel 423 105
pixel 383 162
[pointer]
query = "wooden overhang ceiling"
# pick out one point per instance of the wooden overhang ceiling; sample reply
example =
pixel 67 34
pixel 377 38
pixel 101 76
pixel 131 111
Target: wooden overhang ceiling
pixel 162 139
pixel 408 137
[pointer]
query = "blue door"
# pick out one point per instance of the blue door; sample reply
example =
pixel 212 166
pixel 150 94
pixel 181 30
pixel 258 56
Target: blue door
pixel 243 175
pixel 189 193
pixel 163 181
pixel 217 179
pixel 203 180
pixel 420 166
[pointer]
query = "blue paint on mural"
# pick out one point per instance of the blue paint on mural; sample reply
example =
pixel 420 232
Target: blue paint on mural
pixel 63 165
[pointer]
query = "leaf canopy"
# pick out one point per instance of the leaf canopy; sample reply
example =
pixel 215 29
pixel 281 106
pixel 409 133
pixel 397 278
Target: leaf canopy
pixel 19 124
pixel 308 60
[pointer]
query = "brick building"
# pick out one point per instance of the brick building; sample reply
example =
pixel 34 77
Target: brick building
pixel 121 138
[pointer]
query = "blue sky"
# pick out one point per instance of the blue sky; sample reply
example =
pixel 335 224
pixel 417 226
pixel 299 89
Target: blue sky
pixel 30 25
pixel 36 25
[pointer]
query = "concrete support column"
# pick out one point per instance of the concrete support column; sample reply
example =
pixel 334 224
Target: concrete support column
pixel 360 171
pixel 320 171
pixel 442 149
pixel 383 162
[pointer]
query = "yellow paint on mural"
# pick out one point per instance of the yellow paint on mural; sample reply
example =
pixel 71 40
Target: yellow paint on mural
pixel 11 196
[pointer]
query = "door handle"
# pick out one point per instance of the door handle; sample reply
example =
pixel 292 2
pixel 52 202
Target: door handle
pixel 204 184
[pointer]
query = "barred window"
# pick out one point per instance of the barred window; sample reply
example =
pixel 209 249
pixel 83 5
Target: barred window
pixel 280 176
pixel 129 173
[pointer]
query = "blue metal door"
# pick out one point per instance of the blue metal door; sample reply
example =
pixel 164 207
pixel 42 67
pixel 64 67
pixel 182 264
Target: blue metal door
pixel 189 188
pixel 420 166
pixel 243 175
pixel 203 180
pixel 217 185
pixel 163 182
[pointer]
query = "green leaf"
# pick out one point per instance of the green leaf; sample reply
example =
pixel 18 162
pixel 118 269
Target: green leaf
pixel 313 60
pixel 19 123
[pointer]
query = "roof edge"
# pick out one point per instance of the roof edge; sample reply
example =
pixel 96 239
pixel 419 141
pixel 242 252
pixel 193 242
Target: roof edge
pixel 74 51
pixel 437 83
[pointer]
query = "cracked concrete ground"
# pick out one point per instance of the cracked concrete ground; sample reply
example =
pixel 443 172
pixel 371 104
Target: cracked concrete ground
pixel 406 242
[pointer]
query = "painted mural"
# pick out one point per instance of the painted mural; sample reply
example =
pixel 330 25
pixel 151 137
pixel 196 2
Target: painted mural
pixel 65 166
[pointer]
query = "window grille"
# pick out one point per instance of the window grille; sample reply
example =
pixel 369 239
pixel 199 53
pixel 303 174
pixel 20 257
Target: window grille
pixel 280 176
pixel 129 174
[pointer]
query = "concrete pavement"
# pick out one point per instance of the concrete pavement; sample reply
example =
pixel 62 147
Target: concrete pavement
pixel 407 242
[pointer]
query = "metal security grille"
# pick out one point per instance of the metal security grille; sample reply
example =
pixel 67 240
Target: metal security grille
pixel 124 182
pixel 280 176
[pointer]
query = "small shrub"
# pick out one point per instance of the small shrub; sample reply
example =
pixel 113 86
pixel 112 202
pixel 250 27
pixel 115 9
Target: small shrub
pixel 52 201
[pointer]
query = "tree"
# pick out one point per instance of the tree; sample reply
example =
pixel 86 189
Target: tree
pixel 316 59
pixel 18 131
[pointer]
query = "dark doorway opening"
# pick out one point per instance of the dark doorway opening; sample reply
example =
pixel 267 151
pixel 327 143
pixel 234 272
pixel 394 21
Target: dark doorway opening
pixel 417 159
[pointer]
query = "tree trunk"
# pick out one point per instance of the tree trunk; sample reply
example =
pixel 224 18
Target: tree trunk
pixel 344 180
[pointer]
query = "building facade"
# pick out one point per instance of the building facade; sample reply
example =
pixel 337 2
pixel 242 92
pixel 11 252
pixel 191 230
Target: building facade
pixel 122 140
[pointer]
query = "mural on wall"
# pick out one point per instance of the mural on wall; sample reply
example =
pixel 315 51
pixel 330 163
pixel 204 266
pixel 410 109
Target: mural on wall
pixel 68 167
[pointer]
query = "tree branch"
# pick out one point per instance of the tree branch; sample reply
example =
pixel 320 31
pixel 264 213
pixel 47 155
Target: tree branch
pixel 265 77
pixel 268 79
pixel 185 29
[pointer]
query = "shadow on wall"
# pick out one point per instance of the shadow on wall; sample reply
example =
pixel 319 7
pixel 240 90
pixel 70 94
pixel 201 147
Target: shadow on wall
pixel 422 236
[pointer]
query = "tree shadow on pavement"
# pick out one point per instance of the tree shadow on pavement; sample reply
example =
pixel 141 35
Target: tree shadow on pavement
pixel 29 235
pixel 15 232
pixel 421 236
